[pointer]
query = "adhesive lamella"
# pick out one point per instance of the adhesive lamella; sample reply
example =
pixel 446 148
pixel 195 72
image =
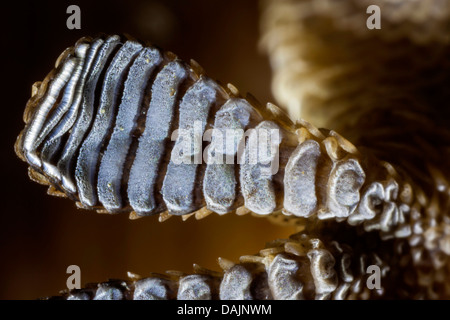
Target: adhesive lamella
pixel 102 133
pixel 100 129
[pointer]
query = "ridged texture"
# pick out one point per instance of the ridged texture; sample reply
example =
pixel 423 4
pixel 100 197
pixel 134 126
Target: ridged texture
pixel 297 268
pixel 114 106
pixel 126 147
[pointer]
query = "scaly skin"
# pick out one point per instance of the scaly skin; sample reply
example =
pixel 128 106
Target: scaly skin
pixel 393 214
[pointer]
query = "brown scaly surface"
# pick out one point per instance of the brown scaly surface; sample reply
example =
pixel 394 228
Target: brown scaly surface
pixel 394 111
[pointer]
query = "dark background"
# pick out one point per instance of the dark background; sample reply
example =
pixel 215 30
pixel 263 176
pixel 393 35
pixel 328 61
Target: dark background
pixel 40 234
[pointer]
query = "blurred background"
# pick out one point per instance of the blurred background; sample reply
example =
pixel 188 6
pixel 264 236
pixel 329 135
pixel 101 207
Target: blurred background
pixel 42 235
